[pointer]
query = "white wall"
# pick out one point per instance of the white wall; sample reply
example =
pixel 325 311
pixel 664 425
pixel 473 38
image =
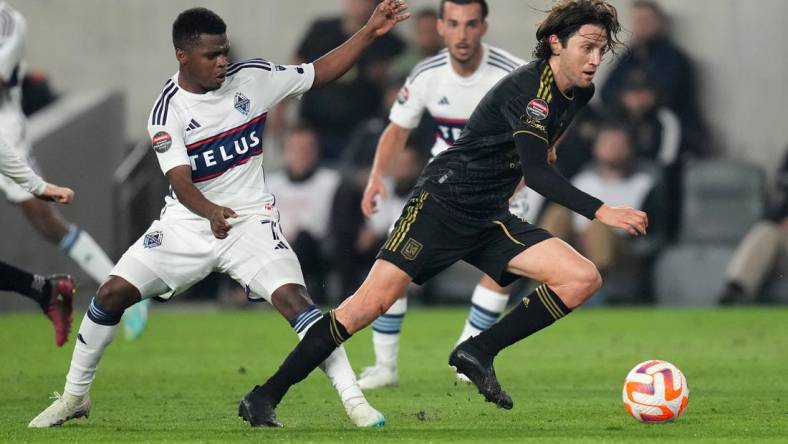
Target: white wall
pixel 739 47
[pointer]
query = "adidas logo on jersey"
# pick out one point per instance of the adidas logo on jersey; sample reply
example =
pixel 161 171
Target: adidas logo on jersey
pixel 281 246
pixel 193 125
pixel 443 101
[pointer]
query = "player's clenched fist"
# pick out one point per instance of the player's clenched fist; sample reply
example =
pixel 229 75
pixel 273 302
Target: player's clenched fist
pixel 218 218
pixel 54 193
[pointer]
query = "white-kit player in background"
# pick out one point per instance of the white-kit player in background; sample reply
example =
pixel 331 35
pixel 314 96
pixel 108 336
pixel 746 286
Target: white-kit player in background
pixel 78 244
pixel 207 130
pixel 449 86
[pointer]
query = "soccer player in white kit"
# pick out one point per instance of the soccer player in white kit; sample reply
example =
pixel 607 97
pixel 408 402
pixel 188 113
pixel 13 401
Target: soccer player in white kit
pixel 449 86
pixel 207 130
pixel 74 241
pixel 54 294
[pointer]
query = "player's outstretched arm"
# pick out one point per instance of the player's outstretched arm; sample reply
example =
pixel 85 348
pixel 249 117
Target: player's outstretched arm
pixel 390 145
pixel 180 179
pixel 337 62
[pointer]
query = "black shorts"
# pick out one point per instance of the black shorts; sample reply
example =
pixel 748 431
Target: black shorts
pixel 427 239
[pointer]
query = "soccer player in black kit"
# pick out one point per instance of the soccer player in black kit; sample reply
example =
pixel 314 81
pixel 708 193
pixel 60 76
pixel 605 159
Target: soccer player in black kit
pixel 459 211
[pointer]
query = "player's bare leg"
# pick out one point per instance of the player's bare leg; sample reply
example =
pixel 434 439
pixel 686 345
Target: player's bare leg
pixel 569 280
pixel 293 302
pixel 384 284
pixel 95 334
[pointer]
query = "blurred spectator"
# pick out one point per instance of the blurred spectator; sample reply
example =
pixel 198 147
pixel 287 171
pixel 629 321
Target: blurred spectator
pixel 424 42
pixel 36 93
pixel 305 192
pixel 363 140
pixel 656 129
pixel 335 109
pixel 357 239
pixel 617 177
pixel 665 66
pixel 762 252
pixel 657 135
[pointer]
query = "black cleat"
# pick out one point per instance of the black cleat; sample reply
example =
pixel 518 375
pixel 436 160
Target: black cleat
pixel 471 362
pixel 258 410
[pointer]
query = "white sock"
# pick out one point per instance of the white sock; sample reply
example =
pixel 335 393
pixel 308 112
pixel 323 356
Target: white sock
pixel 336 366
pixel 93 337
pixel 386 333
pixel 83 249
pixel 486 307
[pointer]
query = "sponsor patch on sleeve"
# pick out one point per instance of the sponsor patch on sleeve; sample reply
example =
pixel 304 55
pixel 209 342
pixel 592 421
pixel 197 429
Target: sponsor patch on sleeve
pixel 161 142
pixel 537 109
pixel 403 95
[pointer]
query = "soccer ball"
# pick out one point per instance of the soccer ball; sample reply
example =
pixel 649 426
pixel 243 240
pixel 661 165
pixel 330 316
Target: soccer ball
pixel 655 391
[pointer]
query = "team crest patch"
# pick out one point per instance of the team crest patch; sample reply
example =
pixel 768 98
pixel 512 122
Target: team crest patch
pixel 161 142
pixel 411 249
pixel 403 95
pixel 242 103
pixel 537 109
pixel 153 239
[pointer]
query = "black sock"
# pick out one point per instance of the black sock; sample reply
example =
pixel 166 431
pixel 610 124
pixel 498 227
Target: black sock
pixel 319 342
pixel 537 311
pixel 33 286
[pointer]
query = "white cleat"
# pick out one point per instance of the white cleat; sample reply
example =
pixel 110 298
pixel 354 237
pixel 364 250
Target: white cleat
pixel 378 376
pixel 362 414
pixel 462 379
pixel 64 407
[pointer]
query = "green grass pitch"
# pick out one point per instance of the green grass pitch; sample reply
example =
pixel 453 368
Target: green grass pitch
pixel 182 380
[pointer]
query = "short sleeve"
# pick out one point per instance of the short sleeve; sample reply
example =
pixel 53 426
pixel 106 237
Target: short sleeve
pixel 291 80
pixel 410 103
pixel 167 141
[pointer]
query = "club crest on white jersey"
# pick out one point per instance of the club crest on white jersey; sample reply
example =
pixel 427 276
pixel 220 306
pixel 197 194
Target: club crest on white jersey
pixel 219 134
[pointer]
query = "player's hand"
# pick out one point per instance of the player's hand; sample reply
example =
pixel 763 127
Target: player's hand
pixel 552 156
pixel 374 189
pixel 218 218
pixel 630 219
pixel 387 14
pixel 54 193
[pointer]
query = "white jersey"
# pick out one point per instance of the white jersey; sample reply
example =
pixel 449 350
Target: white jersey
pixel 433 85
pixel 13 29
pixel 219 134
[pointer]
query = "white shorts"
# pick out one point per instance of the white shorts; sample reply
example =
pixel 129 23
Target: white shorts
pixel 183 252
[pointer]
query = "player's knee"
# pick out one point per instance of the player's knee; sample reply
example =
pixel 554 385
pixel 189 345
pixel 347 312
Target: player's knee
pixel 585 280
pixel 116 297
pixel 290 300
pixel 588 281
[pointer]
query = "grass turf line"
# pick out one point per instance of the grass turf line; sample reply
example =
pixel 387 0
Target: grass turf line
pixel 182 380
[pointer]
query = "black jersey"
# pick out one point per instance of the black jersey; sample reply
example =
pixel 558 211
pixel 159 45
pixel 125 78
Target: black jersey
pixel 476 176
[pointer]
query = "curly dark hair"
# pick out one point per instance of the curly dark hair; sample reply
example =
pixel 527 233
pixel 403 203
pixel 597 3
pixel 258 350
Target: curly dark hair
pixel 567 16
